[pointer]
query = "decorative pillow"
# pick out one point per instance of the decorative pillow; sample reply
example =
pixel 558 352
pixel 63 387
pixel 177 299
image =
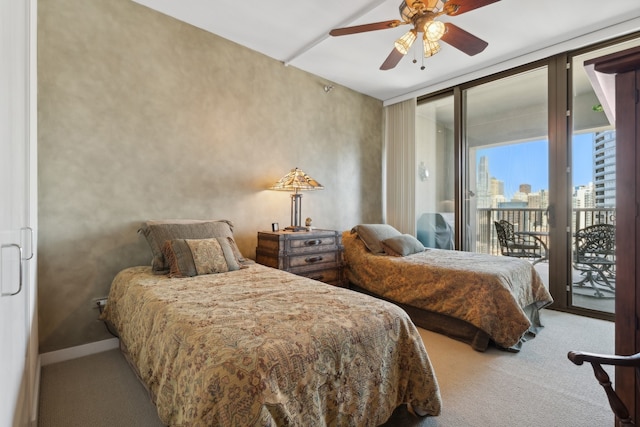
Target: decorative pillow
pixel 402 245
pixel 373 234
pixel 158 232
pixel 194 257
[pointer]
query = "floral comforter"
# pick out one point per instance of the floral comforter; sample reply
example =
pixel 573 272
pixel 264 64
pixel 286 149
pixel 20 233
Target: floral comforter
pixel 489 292
pixel 263 347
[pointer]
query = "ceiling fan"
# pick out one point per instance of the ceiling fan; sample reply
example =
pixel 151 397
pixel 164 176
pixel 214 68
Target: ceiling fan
pixel 422 15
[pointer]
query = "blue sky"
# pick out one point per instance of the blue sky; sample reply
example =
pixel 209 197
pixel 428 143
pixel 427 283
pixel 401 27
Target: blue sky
pixel 527 163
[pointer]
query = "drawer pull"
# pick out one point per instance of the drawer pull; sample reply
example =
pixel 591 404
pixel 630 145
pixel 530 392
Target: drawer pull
pixel 313 242
pixel 313 259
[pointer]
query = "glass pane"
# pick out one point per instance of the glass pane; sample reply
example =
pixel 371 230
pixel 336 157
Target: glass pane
pixel 435 183
pixel 508 168
pixel 593 220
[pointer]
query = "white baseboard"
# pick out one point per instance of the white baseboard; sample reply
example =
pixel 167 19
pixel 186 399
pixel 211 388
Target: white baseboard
pixel 33 422
pixel 79 351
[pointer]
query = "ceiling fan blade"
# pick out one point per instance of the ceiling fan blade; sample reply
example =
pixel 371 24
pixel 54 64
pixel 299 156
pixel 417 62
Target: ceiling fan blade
pixel 458 7
pixel 463 40
pixel 366 27
pixel 392 60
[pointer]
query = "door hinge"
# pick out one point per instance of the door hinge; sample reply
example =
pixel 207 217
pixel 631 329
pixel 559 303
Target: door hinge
pixel 568 113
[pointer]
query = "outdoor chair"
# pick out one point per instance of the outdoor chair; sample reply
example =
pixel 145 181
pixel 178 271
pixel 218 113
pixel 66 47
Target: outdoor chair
pixel 597 360
pixel 594 256
pixel 519 244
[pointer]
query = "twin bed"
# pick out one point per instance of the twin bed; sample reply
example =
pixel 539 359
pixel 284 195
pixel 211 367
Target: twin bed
pixel 475 298
pixel 219 340
pixel 246 345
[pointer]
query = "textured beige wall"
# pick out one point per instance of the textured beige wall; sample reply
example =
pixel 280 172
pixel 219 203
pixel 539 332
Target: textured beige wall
pixel 142 116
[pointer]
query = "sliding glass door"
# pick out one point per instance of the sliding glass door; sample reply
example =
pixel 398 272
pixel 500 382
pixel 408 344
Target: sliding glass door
pixel 507 175
pixel 594 191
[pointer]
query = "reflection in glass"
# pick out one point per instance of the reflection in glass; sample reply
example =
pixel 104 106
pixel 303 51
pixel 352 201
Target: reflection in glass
pixel 435 183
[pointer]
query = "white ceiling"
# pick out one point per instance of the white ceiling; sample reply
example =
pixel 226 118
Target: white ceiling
pixel 296 33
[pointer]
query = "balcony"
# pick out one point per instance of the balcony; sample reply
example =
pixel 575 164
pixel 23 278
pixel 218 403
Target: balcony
pixel 534 221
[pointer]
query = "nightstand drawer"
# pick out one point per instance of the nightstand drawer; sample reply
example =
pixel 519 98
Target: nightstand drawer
pixel 331 275
pixel 298 243
pixel 315 244
pixel 313 259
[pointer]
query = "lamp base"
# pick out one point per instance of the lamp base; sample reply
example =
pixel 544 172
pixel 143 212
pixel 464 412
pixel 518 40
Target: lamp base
pixel 295 228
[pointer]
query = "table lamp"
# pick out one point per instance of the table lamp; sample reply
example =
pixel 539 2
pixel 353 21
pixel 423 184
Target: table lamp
pixel 296 180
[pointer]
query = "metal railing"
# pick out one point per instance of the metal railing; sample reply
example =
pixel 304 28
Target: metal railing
pixel 532 220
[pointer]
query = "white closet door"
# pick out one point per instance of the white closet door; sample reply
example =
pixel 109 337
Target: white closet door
pixel 17 247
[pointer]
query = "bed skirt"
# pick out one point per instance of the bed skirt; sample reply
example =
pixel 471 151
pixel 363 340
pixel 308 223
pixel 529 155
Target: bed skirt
pixel 458 329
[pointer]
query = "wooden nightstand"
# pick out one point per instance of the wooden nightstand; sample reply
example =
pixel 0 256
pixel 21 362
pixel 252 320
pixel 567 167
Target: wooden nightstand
pixel 316 254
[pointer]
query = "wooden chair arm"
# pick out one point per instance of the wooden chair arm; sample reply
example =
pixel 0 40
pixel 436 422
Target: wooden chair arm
pixel 597 360
pixel 579 357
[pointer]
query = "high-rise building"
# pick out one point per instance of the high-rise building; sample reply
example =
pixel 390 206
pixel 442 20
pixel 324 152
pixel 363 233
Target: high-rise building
pixel 483 190
pixel 583 196
pixel 604 168
pixel 535 200
pixel 525 188
pixel 519 196
pixel 497 187
pixel 583 204
pixel 497 200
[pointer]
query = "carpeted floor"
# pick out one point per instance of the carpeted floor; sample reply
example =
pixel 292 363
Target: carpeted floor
pixel 537 387
pixel 99 390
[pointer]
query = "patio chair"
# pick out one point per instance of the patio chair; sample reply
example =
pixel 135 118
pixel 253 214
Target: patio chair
pixel 519 245
pixel 594 256
pixel 597 360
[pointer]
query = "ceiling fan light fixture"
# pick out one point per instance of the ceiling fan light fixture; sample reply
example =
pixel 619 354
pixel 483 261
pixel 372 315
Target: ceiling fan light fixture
pixel 430 48
pixel 403 44
pixel 434 30
pixel 411 8
pixel 434 5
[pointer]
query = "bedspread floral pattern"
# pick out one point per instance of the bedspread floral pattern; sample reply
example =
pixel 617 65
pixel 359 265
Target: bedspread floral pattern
pixel 487 291
pixel 262 347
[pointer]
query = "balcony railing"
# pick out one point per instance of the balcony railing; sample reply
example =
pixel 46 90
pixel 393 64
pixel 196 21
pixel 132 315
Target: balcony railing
pixel 531 220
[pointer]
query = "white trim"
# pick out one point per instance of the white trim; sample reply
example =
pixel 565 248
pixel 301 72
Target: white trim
pixel 78 351
pixel 607 33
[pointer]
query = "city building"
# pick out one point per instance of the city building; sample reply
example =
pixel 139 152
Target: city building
pixel 604 168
